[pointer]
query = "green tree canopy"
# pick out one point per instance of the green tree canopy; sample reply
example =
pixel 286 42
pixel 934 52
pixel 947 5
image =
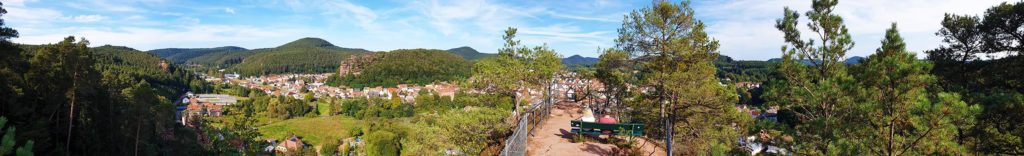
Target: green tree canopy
pixel 903 116
pixel 815 92
pixel 677 78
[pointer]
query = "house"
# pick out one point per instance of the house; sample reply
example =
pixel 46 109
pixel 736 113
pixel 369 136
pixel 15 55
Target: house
pixel 271 147
pixel 446 90
pixel 219 99
pixel 291 143
pixel 748 85
pixel 207 104
pixel 213 109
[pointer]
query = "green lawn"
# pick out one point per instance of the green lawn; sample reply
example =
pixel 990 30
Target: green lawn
pixel 312 130
pixel 323 108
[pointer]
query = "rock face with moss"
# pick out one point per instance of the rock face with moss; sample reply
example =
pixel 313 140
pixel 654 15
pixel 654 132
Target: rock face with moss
pixel 354 65
pixel 403 66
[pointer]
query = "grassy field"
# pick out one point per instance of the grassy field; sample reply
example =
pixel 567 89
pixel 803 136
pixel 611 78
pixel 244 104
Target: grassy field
pixel 323 108
pixel 312 130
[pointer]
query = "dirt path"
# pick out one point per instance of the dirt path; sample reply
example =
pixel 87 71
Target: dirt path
pixel 553 137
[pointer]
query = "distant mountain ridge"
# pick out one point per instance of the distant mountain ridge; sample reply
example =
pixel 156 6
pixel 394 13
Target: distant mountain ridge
pixel 579 60
pixel 307 42
pixel 182 55
pixel 469 53
pixel 304 55
pixel 851 60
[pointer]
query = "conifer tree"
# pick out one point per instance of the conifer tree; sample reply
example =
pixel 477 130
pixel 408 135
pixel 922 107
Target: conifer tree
pixel 677 79
pixel 815 93
pixel 903 116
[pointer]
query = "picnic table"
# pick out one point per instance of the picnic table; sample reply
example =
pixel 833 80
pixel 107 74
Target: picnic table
pixel 596 128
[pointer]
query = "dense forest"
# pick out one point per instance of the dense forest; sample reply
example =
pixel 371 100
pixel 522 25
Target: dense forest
pixel 186 55
pixel 981 60
pixel 743 71
pixel 64 98
pixel 406 66
pixel 306 55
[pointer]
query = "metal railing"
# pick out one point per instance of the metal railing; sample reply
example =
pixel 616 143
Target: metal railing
pixel 516 144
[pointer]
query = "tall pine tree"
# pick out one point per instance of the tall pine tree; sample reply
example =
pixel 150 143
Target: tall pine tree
pixel 679 90
pixel 815 93
pixel 903 117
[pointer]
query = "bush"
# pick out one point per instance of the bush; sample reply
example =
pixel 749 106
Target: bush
pixel 355 131
pixel 467 130
pixel 382 143
pixel 330 148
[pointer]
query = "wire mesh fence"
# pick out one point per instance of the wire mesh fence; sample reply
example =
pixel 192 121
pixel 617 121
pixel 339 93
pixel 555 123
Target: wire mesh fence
pixel 515 145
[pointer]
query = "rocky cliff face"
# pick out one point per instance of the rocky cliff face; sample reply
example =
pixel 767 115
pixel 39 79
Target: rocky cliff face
pixel 354 65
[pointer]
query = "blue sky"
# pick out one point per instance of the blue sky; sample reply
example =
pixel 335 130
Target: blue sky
pixel 744 27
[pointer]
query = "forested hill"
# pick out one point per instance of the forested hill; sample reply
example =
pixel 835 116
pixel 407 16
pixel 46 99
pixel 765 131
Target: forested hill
pixel 168 80
pixel 469 53
pixel 306 55
pixel 848 61
pixel 579 60
pixel 120 96
pixel 406 66
pixel 739 70
pixel 183 55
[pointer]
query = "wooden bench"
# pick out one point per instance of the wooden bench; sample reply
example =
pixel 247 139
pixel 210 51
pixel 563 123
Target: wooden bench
pixel 630 129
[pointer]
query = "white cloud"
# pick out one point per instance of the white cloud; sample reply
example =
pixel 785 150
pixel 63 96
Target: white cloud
pixel 487 16
pixel 746 27
pixel 16 3
pixel 103 5
pixel 229 10
pixel 565 34
pixel 577 17
pixel 135 17
pixel 17 15
pixel 152 38
pixel 365 16
pixel 88 18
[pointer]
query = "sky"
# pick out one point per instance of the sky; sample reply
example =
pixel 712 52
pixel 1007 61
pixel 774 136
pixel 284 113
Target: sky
pixel 744 28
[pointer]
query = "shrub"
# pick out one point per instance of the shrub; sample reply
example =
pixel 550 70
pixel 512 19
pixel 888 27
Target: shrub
pixel 329 148
pixel 382 143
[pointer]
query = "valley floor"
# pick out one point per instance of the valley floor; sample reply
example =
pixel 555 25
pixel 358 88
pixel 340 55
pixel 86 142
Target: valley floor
pixel 315 130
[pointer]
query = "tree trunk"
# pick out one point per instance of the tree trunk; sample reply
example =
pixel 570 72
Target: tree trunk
pixel 515 98
pixel 138 126
pixel 668 136
pixel 71 113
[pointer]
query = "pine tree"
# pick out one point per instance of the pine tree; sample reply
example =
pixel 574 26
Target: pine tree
pixel 903 116
pixel 815 93
pixel 516 67
pixel 677 78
